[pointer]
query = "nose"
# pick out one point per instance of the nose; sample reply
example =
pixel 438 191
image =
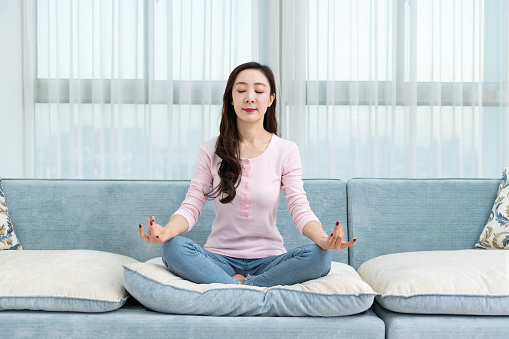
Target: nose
pixel 249 96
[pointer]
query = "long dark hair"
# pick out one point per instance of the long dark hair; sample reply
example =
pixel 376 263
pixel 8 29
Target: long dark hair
pixel 228 142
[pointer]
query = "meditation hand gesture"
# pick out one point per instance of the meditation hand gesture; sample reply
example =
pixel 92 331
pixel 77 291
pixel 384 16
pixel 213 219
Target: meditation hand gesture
pixel 156 233
pixel 335 240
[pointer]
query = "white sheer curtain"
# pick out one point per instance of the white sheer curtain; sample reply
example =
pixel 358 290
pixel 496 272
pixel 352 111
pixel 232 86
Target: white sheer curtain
pixel 387 88
pixel 403 88
pixel 130 88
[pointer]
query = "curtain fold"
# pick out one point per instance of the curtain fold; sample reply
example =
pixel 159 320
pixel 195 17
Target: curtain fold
pixel 398 88
pixel 378 88
pixel 129 89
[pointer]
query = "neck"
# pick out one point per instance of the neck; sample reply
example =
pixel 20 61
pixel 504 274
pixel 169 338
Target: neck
pixel 253 133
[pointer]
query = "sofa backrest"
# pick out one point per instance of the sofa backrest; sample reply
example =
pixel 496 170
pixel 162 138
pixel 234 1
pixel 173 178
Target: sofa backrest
pixel 403 215
pixel 104 214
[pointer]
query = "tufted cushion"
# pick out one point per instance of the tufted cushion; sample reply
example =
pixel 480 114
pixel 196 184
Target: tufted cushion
pixel 75 280
pixel 340 293
pixel 471 282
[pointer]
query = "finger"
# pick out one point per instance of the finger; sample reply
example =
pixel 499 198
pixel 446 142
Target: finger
pixel 150 233
pixel 150 223
pixel 157 235
pixel 336 236
pixel 341 235
pixel 348 244
pixel 330 239
pixel 338 243
pixel 351 242
pixel 142 233
pixel 341 231
pixel 336 229
pixel 160 238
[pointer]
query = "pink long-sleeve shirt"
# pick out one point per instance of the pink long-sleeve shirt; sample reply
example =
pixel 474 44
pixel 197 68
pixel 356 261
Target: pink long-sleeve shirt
pixel 246 227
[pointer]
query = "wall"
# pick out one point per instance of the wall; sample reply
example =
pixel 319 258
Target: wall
pixel 11 89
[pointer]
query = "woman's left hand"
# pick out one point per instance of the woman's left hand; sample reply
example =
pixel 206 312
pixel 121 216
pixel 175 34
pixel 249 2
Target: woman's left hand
pixel 335 240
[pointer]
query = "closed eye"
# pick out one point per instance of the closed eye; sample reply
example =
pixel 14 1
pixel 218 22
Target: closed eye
pixel 255 92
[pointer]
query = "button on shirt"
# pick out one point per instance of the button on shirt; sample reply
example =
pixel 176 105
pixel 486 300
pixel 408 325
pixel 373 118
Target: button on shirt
pixel 246 227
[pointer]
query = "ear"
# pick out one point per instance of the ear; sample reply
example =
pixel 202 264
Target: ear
pixel 272 97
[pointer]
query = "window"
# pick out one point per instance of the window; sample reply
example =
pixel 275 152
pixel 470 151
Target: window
pixel 130 88
pixel 398 88
pixel 106 102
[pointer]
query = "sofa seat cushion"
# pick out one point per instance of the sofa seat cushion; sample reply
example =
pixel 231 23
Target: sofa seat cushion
pixel 340 293
pixel 463 282
pixel 74 280
pixel 132 321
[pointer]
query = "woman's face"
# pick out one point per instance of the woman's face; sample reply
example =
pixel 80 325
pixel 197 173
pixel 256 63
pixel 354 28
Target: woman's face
pixel 251 96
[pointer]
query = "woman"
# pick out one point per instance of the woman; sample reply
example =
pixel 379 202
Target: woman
pixel 243 170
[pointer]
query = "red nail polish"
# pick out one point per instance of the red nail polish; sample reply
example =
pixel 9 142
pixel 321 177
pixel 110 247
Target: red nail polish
pixel 141 225
pixel 337 223
pixel 151 222
pixel 331 234
pixel 157 236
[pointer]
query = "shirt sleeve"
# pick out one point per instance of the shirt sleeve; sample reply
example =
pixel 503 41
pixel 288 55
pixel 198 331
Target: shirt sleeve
pixel 200 183
pixel 292 185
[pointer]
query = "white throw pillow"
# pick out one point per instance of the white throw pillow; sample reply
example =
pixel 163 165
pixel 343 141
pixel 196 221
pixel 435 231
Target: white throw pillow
pixel 496 232
pixel 340 293
pixel 74 280
pixel 472 282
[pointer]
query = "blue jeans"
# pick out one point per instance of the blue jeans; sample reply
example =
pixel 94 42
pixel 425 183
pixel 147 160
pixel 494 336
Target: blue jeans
pixel 190 261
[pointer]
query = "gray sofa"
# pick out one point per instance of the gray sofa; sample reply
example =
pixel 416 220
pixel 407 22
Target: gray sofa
pixel 386 216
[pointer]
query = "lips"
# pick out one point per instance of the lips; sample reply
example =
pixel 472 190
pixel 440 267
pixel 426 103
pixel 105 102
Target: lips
pixel 249 110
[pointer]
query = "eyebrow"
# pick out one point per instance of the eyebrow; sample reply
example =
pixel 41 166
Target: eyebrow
pixel 256 83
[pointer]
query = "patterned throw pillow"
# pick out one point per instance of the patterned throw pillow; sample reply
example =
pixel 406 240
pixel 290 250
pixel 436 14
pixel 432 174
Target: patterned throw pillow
pixel 8 240
pixel 496 232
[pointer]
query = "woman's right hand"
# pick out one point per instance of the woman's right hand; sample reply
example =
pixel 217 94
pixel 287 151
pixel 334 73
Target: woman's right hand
pixel 156 233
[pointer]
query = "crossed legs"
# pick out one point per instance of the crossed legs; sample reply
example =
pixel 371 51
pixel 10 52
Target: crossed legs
pixel 190 261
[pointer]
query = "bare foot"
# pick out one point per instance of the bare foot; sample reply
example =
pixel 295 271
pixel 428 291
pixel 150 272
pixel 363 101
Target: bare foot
pixel 240 278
